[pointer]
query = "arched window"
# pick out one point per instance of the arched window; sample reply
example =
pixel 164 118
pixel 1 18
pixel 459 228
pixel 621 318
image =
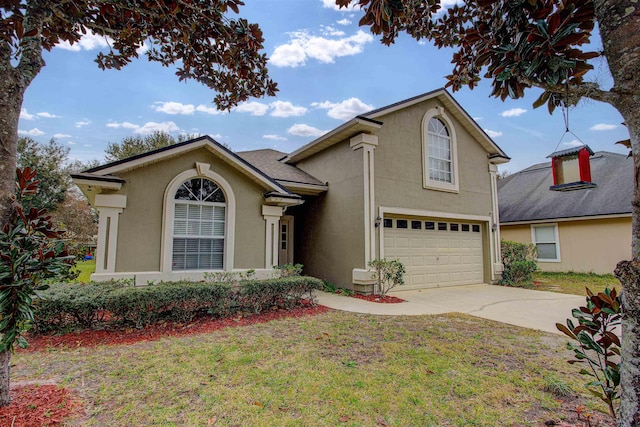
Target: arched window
pixel 439 152
pixel 440 159
pixel 199 226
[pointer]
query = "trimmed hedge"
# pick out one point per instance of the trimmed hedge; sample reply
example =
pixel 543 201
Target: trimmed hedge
pixel 65 307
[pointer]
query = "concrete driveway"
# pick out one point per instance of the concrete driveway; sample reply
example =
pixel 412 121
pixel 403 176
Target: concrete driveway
pixel 515 306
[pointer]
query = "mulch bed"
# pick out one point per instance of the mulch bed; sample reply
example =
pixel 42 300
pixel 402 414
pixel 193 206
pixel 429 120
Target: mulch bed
pixel 388 299
pixel 38 405
pixel 48 405
pixel 93 338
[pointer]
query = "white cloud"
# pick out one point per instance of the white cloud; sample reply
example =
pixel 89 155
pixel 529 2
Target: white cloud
pixel 209 110
pixel 254 108
pixel 274 137
pixel 47 115
pixel 125 125
pixel 344 21
pixel 477 119
pixel 32 132
pixel 87 42
pixel 603 126
pixel 82 123
pixel 330 31
pixel 345 110
pixel 151 127
pixel 71 143
pixel 286 109
pixel 493 133
pixel 26 116
pixel 216 136
pixel 514 112
pixel 61 135
pixel 573 143
pixel 303 46
pixel 142 49
pixel 331 4
pixel 305 130
pixel 174 107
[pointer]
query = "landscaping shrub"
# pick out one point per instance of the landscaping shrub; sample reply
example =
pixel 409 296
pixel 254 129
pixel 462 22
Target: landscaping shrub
pixel 519 262
pixel 116 304
pixel 388 274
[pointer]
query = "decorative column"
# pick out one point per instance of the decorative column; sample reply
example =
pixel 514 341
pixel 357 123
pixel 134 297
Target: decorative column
pixel 496 257
pixel 109 207
pixel 368 143
pixel 271 216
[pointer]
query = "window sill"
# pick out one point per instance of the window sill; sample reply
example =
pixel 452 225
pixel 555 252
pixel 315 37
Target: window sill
pixel 448 188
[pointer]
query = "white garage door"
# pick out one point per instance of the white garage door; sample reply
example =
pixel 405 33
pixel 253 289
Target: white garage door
pixel 435 252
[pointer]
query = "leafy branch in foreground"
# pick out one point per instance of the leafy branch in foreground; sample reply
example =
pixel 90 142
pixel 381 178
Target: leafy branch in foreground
pixel 597 345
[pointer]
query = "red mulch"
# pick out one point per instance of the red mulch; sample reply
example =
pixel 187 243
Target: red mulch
pixel 36 406
pixel 388 299
pixel 93 338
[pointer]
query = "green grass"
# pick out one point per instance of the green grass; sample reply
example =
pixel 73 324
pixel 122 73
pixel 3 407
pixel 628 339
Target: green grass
pixel 333 369
pixel 573 283
pixel 86 268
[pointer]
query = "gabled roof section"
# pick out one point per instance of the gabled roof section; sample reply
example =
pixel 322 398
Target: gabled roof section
pixel 495 152
pixel 525 196
pixel 170 151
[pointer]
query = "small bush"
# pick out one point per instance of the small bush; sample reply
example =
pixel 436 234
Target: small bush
pixel 519 262
pixel 288 270
pixel 115 304
pixel 388 274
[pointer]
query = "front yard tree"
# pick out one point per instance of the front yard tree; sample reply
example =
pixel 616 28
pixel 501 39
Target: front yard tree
pixel 539 43
pixel 208 43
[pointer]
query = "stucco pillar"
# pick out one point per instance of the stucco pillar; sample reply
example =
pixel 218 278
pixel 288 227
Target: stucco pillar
pixel 109 208
pixel 271 216
pixel 368 143
pixel 496 257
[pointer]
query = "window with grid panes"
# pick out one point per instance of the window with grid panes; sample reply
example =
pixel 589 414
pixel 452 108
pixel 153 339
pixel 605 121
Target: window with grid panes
pixel 199 226
pixel 440 159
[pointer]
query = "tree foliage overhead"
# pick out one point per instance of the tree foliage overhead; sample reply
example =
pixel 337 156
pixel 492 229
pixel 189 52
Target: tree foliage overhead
pixel 210 47
pixel 517 44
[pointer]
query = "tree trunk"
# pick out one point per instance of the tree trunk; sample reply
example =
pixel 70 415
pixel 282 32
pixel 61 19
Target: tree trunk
pixel 619 22
pixel 5 366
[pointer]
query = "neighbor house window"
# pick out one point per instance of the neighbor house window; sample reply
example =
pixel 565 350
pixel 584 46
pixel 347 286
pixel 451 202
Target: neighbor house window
pixel 545 237
pixel 439 152
pixel 199 226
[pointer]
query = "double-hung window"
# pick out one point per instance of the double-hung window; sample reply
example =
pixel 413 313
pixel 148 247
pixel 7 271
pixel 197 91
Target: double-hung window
pixel 545 237
pixel 199 226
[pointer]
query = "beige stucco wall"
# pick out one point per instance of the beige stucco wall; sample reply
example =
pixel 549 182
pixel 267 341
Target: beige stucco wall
pixel 330 227
pixel 140 224
pixel 399 178
pixel 585 246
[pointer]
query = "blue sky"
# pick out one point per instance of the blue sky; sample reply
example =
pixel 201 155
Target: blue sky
pixel 328 70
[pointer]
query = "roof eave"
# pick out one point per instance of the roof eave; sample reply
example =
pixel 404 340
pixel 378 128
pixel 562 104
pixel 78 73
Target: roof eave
pixel 342 132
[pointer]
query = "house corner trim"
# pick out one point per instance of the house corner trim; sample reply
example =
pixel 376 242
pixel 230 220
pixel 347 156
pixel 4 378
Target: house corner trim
pixel 109 208
pixel 272 215
pixel 368 143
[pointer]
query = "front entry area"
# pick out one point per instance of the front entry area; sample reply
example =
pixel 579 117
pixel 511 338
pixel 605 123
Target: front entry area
pixel 285 243
pixel 435 252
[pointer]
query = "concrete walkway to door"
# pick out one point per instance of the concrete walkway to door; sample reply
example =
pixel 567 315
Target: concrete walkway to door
pixel 521 307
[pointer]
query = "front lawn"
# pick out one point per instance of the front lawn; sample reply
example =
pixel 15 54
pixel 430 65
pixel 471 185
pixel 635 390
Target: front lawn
pixel 573 283
pixel 86 269
pixel 335 368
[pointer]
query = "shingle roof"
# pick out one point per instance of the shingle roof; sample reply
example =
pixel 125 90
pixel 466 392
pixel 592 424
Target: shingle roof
pixel 268 161
pixel 525 195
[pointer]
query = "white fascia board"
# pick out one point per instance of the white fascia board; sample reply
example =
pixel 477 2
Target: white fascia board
pixel 174 151
pixel 95 183
pixel 431 214
pixel 575 218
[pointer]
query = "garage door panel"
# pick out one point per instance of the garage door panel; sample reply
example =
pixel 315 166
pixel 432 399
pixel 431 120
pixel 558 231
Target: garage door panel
pixel 436 257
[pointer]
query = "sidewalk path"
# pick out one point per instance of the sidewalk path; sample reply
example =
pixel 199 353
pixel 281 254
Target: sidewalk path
pixel 521 307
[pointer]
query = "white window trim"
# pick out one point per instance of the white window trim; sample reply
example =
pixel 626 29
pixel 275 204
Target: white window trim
pixel 453 187
pixel 557 241
pixel 201 171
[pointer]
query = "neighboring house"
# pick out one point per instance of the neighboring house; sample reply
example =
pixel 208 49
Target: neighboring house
pixel 576 209
pixel 415 180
